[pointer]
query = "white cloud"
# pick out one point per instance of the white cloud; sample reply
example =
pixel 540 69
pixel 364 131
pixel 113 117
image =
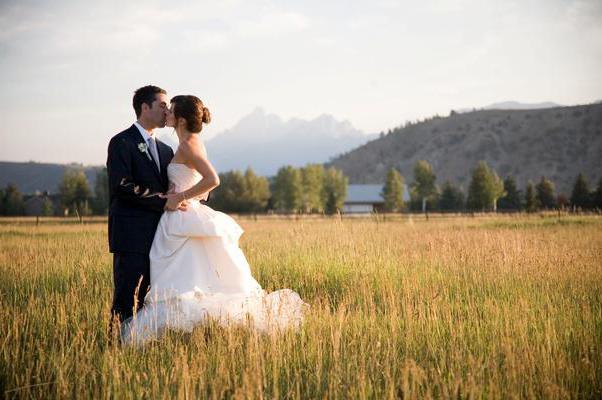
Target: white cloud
pixel 272 24
pixel 376 64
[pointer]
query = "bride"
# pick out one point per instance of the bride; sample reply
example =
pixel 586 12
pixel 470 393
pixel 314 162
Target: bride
pixel 197 270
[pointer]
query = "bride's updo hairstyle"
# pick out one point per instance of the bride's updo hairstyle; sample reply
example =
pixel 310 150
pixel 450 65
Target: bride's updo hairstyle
pixel 191 108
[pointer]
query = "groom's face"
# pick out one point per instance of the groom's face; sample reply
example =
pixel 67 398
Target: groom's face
pixel 158 110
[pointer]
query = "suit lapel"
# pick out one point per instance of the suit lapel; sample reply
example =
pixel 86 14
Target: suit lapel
pixel 164 159
pixel 139 141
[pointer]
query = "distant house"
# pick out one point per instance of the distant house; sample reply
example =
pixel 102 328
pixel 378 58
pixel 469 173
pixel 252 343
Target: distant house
pixel 367 198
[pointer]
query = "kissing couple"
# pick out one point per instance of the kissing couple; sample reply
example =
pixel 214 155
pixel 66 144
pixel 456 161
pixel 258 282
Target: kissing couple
pixel 176 261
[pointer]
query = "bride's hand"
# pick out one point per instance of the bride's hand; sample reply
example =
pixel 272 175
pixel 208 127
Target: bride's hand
pixel 174 202
pixel 183 206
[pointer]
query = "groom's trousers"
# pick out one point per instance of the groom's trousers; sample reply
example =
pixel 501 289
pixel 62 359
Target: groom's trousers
pixel 131 278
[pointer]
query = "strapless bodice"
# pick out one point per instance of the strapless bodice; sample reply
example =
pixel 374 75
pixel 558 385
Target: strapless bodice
pixel 182 176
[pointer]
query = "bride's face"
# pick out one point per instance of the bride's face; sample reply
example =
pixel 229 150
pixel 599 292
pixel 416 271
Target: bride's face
pixel 170 118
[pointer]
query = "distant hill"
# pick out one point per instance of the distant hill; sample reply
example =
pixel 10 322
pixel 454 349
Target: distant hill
pixel 30 177
pixel 515 105
pixel 556 142
pixel 265 142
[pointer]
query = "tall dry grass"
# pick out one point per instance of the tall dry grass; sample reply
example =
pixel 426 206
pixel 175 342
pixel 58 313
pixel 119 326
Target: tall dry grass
pixel 492 307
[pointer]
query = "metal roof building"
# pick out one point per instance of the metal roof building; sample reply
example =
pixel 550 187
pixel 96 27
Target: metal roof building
pixel 367 198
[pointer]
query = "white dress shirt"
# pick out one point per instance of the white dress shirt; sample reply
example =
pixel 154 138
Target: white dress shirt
pixel 149 139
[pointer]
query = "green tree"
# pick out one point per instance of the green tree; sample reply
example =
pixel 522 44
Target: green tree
pixel 485 188
pixel 100 202
pixel 497 188
pixel 288 189
pixel 581 196
pixel 452 198
pixel 512 198
pixel 12 201
pixel 335 190
pixel 432 202
pixel 562 201
pixel 75 192
pixel 312 177
pixel 393 191
pixel 2 207
pixel 424 182
pixel 531 202
pixel 229 195
pixel 330 207
pixel 47 207
pixel 256 192
pixel 597 197
pixel 546 193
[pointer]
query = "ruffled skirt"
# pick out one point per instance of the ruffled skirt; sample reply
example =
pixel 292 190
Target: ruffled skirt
pixel 198 272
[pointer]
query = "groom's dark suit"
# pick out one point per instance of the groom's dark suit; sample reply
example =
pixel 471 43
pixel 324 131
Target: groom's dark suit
pixel 133 217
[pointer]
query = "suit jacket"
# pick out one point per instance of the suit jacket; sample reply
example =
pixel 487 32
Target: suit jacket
pixel 133 215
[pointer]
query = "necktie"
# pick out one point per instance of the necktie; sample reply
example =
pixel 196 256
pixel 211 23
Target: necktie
pixel 152 145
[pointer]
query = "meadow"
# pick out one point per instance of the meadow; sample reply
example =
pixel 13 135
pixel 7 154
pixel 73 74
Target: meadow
pixel 458 307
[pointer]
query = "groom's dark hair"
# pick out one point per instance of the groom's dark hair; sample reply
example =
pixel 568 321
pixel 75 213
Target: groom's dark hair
pixel 145 95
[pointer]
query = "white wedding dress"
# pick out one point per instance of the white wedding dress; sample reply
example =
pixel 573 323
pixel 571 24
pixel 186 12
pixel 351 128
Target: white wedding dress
pixel 199 272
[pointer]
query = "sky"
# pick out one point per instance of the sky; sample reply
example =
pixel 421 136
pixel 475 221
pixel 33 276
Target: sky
pixel 68 69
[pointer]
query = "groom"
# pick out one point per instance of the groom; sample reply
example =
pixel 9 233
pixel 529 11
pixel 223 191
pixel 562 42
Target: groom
pixel 137 166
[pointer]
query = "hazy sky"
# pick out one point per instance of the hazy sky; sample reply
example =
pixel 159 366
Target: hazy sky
pixel 68 69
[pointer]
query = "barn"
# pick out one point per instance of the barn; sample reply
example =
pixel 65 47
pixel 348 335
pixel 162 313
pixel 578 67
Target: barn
pixel 366 198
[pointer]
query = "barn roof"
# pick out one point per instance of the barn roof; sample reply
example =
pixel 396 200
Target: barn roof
pixel 364 194
pixel 368 193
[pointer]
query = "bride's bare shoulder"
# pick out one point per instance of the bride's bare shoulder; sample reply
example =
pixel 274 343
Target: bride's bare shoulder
pixel 193 147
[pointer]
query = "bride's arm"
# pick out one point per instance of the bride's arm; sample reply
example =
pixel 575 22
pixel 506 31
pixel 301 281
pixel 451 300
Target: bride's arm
pixel 194 152
pixel 205 196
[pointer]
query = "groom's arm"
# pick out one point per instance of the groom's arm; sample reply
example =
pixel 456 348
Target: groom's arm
pixel 121 181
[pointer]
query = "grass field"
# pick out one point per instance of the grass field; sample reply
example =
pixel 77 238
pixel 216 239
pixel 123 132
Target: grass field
pixel 486 307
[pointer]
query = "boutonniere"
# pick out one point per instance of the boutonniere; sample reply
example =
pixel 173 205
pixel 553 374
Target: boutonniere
pixel 143 147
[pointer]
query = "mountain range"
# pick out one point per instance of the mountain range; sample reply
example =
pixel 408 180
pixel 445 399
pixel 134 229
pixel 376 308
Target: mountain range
pixel 265 142
pixel 558 143
pixel 260 140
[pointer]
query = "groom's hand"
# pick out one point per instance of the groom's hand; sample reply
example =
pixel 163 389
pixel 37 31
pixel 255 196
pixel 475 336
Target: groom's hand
pixel 174 202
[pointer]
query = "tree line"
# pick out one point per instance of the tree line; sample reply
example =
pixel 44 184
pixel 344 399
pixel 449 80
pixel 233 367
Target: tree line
pixel 74 197
pixel 309 189
pixel 315 189
pixel 486 192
